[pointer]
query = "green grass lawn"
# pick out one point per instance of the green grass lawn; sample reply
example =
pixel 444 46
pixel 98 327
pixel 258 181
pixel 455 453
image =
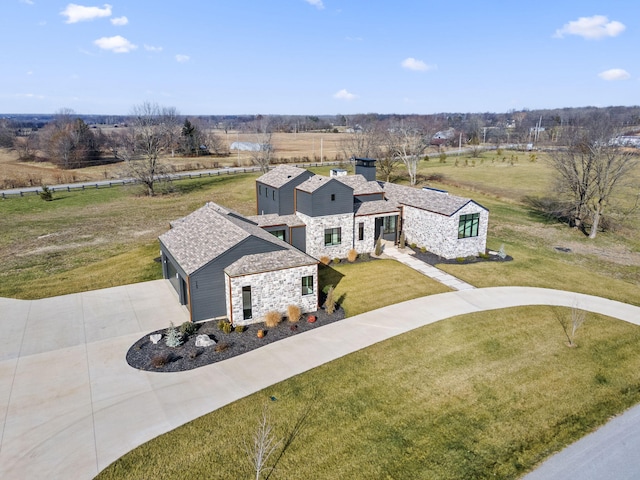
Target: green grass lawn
pixel 486 395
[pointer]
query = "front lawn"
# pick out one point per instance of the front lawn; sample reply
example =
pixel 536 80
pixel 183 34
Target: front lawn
pixel 485 395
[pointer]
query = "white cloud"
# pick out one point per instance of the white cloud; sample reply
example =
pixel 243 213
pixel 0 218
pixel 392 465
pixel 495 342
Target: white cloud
pixel 151 48
pixel 416 65
pixel 119 21
pixel 30 95
pixel 316 3
pixel 79 13
pixel 28 2
pixel 182 58
pixel 591 28
pixel 614 74
pixel 344 95
pixel 116 44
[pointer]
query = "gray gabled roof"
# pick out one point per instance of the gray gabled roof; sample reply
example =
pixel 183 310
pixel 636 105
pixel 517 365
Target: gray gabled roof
pixel 273 220
pixel 430 200
pixel 281 175
pixel 360 185
pixel 266 262
pixel 317 181
pixel 212 230
pixel 375 207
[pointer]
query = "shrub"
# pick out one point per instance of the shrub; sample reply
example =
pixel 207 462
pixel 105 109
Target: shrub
pixel 364 256
pixel 352 255
pixel 378 251
pixel 174 339
pixel 336 260
pixel 443 157
pixel 413 246
pixel 239 328
pixel 221 347
pixel 227 327
pixel 484 255
pixel 46 194
pixel 330 303
pixel 423 249
pixel 193 354
pixel 325 260
pixel 188 328
pixel 460 259
pixel 293 313
pixel 221 324
pixel 272 319
pixel 160 360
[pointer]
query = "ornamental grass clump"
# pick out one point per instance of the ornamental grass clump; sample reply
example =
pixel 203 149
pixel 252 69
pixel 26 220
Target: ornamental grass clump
pixel 272 319
pixel 352 255
pixel 325 260
pixel 293 313
pixel 330 303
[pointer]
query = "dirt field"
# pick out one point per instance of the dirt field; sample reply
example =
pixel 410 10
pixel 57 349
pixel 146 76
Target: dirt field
pixel 299 147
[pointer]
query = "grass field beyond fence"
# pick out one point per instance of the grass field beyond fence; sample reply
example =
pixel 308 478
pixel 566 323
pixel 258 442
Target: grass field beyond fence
pixel 485 395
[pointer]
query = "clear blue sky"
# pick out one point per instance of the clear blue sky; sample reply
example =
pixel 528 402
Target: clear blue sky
pixel 318 56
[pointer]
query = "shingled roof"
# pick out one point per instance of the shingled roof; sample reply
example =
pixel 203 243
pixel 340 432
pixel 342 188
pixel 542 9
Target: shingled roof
pixel 210 231
pixel 281 175
pixel 266 262
pixel 430 200
pixel 274 220
pixel 360 185
pixel 375 207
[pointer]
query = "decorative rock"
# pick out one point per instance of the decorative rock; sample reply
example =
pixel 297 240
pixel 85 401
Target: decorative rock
pixel 155 338
pixel 204 341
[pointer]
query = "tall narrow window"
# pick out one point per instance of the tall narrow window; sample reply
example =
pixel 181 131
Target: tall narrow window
pixel 259 189
pixel 361 231
pixel 307 285
pixel 246 303
pixel 468 226
pixel 333 197
pixel 273 194
pixel 332 236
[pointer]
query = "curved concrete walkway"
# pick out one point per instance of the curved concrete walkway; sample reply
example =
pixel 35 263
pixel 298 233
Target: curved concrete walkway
pixel 70 405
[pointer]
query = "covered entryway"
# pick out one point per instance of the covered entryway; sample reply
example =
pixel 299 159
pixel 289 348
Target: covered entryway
pixel 387 227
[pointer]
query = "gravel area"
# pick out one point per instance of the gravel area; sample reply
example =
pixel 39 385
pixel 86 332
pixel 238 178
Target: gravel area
pixel 433 259
pixel 144 355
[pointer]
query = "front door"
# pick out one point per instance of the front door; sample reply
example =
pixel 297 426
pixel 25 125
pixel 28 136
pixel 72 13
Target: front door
pixel 246 303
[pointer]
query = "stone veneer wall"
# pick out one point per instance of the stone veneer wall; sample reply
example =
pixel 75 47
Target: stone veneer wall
pixel 271 291
pixel 439 233
pixel 368 243
pixel 315 234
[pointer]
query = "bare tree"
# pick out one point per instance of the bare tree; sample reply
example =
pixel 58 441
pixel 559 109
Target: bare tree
pixel 570 325
pixel 591 168
pixel 141 144
pixel 261 156
pixel 362 143
pixel 69 142
pixel 262 446
pixel 409 144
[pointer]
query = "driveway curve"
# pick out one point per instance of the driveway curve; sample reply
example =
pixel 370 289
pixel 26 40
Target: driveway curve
pixel 70 405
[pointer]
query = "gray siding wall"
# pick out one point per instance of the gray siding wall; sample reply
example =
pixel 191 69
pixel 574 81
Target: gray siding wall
pixel 208 298
pixel 268 199
pixel 319 203
pixel 299 238
pixel 370 197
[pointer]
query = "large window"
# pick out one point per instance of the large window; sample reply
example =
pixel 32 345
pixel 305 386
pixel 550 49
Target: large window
pixel 468 226
pixel 307 285
pixel 332 236
pixel 389 225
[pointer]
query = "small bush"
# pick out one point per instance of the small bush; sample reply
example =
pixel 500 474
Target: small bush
pixel 160 360
pixel 423 249
pixel 364 256
pixel 220 347
pixel 352 255
pixel 378 251
pixel 188 328
pixel 460 259
pixel 227 327
pixel 413 246
pixel 483 255
pixel 330 303
pixel 272 319
pixel 336 260
pixel 443 157
pixel 193 354
pixel 174 338
pixel 221 324
pixel 325 260
pixel 46 194
pixel 293 313
pixel 239 328
pixel 326 289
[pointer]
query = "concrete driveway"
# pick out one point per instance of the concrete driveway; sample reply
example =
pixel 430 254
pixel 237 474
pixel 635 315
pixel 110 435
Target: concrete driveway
pixel 70 405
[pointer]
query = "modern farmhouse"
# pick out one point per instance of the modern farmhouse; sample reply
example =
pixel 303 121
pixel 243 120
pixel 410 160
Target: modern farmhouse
pixel 224 264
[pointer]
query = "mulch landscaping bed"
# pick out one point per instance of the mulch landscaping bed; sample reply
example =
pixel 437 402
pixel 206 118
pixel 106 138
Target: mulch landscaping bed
pixel 433 259
pixel 144 355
